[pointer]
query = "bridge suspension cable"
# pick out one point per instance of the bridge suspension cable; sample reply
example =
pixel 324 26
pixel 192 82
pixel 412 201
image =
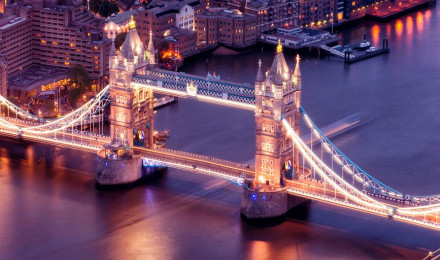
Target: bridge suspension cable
pixel 329 176
pixel 358 174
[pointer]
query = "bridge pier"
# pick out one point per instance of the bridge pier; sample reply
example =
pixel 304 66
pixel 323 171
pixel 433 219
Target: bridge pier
pixel 117 170
pixel 257 204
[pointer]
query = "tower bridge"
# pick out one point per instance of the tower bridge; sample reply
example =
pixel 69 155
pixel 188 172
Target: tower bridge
pixel 287 170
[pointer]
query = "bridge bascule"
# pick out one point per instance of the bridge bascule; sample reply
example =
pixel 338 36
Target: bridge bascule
pixel 287 170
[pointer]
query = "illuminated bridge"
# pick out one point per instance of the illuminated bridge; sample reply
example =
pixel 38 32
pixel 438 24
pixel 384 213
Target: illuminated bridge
pixel 285 167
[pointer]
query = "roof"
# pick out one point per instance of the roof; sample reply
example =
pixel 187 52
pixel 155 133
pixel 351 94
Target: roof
pixel 123 17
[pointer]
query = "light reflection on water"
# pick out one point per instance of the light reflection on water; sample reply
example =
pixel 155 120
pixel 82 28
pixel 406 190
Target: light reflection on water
pixel 48 211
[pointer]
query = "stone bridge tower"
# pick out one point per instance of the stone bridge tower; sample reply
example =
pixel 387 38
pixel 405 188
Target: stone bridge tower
pixel 131 112
pixel 277 95
pixel 131 116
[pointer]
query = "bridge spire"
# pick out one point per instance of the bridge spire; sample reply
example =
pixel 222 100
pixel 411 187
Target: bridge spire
pixel 151 52
pixel 113 49
pixel 297 72
pixel 260 77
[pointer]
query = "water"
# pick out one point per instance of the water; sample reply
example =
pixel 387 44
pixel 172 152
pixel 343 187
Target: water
pixel 51 209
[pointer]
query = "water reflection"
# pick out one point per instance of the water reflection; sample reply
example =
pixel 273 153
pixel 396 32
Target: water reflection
pixel 375 35
pixel 398 28
pixel 419 22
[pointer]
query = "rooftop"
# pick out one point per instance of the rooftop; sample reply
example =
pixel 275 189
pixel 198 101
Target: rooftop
pixel 34 76
pixel 9 21
pixel 123 17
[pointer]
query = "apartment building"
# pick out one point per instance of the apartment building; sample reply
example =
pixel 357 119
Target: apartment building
pixel 53 33
pixel 225 26
pixel 270 14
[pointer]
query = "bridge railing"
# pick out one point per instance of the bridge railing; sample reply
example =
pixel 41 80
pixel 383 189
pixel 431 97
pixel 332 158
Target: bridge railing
pixel 201 81
pixel 234 176
pixel 208 158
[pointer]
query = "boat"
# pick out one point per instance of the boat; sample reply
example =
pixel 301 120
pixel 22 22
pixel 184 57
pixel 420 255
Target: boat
pixel 364 45
pixel 372 49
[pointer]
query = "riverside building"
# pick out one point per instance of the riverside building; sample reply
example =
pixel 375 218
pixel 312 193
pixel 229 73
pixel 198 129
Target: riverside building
pixel 52 33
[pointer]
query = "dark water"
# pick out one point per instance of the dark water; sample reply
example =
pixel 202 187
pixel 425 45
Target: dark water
pixel 51 209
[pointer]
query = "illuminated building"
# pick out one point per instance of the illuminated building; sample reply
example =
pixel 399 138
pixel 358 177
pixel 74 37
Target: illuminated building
pixel 186 40
pixel 48 34
pixel 226 26
pixel 270 13
pixel 316 13
pixel 118 23
pixel 161 16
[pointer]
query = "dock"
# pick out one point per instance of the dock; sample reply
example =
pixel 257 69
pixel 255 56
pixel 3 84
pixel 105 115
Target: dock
pixel 336 52
pixel 356 52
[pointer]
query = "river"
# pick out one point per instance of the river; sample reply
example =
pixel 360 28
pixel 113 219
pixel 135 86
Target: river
pixel 51 209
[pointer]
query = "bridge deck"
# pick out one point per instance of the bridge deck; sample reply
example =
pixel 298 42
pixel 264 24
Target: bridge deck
pixel 198 163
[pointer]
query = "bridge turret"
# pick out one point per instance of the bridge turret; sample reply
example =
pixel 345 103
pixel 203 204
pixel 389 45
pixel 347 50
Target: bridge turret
pixel 276 96
pixel 150 53
pixel 131 114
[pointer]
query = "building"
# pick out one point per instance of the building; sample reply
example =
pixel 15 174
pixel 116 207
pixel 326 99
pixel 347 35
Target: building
pixel 185 41
pixel 118 23
pixel 270 14
pixel 185 17
pixel 50 34
pixel 316 13
pixel 225 26
pixel 161 16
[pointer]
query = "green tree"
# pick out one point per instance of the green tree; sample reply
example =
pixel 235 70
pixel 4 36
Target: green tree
pixel 79 78
pixel 119 39
pixel 74 95
pixel 48 105
pixel 14 101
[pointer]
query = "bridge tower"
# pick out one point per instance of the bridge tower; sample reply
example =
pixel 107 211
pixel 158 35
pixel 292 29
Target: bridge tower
pixel 277 95
pixel 131 113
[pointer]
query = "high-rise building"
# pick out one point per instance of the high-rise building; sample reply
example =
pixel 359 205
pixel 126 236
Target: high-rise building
pixel 51 33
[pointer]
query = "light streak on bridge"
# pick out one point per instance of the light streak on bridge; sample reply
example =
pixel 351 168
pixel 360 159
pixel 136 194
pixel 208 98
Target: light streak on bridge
pixel 333 178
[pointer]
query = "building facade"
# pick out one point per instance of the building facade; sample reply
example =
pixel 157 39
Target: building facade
pixel 227 27
pixel 161 16
pixel 49 34
pixel 270 14
pixel 316 13
pixel 118 23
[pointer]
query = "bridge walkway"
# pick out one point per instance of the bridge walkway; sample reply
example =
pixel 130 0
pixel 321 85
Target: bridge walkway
pixel 198 163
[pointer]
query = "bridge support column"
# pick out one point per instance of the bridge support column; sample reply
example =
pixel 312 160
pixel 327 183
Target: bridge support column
pixel 118 170
pixel 257 204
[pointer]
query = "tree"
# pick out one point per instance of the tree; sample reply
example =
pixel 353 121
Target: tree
pixel 74 95
pixel 95 5
pixel 107 8
pixel 119 39
pixel 48 105
pixel 14 101
pixel 79 78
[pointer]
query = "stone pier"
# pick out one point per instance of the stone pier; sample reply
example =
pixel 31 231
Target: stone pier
pixel 116 171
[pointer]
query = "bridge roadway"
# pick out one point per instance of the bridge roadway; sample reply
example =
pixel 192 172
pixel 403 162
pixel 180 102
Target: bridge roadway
pixel 198 163
pixel 318 191
pixel 235 172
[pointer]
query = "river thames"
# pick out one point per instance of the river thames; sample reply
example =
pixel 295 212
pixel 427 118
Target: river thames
pixel 50 208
